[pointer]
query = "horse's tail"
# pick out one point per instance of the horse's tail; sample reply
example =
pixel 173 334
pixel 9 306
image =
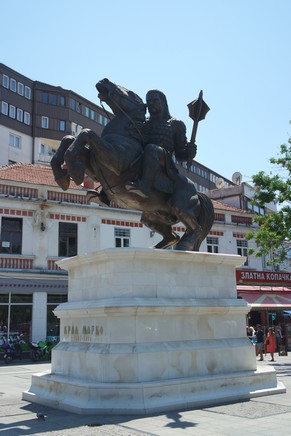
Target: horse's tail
pixel 205 218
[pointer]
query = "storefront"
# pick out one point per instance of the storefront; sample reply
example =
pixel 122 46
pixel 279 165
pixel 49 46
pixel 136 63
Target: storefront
pixel 269 296
pixel 27 304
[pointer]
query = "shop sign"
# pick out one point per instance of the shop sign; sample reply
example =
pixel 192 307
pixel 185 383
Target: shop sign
pixel 245 277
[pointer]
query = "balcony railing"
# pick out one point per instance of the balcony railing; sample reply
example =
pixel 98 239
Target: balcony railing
pixel 16 261
pixel 22 262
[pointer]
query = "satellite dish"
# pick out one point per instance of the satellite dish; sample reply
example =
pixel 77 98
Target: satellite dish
pixel 219 183
pixel 236 178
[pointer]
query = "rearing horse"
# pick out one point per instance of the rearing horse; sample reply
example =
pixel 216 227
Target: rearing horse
pixel 115 157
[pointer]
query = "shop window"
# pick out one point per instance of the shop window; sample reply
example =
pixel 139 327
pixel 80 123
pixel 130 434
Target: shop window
pixel 242 249
pixel 212 244
pixel 122 237
pixel 53 323
pixel 68 233
pixel 11 235
pixel 15 315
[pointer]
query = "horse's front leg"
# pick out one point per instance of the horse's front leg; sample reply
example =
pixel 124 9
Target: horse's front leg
pixel 61 174
pixel 74 156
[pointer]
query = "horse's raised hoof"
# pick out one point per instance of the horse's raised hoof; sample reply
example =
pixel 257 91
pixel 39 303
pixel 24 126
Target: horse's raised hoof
pixel 77 171
pixel 168 242
pixel 63 181
pixel 187 241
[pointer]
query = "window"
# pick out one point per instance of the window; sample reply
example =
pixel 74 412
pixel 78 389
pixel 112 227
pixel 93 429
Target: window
pixel 67 239
pixel 44 122
pixel 53 323
pixel 14 140
pixel 44 97
pixel 73 104
pixel 62 100
pixel 13 85
pixel 27 92
pixel 5 81
pixel 16 315
pixel 122 237
pixel 212 244
pixel 11 235
pixel 20 88
pixel 242 248
pixel 53 99
pixel 12 111
pixel 19 115
pixel 27 118
pixel 4 108
pixel 62 125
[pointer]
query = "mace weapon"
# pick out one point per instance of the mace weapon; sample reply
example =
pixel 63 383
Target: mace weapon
pixel 197 112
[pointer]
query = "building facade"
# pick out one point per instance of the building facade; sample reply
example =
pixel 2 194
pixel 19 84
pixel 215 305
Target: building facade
pixel 41 224
pixel 34 117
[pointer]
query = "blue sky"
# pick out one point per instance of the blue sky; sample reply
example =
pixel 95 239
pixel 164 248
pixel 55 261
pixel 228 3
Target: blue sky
pixel 236 51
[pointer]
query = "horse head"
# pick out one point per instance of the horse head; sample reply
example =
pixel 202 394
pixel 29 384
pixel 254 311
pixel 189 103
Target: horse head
pixel 121 100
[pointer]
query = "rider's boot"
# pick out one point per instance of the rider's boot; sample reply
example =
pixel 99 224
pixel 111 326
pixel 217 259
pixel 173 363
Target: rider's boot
pixel 100 198
pixel 138 187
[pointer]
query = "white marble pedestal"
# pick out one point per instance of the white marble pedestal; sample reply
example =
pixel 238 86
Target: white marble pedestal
pixel 148 331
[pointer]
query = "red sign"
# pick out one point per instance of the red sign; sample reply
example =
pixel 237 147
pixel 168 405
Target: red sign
pixel 246 277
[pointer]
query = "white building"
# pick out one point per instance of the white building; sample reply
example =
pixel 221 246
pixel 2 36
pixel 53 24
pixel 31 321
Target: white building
pixel 41 224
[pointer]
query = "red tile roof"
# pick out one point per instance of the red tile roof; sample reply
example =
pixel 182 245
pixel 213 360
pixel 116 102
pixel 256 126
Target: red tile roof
pixel 39 174
pixel 36 174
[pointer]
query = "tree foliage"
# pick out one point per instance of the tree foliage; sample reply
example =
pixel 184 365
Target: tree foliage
pixel 273 236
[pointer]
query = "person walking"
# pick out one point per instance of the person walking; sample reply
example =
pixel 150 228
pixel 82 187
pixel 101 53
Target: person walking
pixel 270 343
pixel 260 342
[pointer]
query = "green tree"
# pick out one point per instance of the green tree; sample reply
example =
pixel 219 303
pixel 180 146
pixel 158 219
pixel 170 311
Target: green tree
pixel 273 236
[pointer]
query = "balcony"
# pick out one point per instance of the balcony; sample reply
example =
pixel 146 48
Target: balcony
pixel 12 261
pixel 22 262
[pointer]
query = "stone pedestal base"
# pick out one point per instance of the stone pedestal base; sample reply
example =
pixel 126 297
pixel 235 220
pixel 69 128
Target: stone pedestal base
pixel 149 331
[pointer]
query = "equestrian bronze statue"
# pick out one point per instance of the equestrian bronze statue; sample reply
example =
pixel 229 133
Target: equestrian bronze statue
pixel 132 160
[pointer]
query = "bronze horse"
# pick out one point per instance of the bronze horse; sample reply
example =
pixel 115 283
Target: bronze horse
pixel 115 157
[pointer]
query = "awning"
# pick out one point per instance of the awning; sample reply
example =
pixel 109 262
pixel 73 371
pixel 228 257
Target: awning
pixel 23 285
pixel 264 297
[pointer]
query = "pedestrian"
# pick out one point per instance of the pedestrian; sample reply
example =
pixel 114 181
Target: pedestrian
pixel 260 342
pixel 270 343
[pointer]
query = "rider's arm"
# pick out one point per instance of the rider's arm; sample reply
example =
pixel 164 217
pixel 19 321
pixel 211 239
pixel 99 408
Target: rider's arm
pixel 184 151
